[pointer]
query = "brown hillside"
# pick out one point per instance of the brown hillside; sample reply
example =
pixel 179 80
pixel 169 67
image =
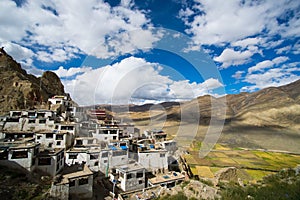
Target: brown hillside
pixel 19 90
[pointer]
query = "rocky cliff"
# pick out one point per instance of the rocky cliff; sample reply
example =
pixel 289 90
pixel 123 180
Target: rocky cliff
pixel 19 90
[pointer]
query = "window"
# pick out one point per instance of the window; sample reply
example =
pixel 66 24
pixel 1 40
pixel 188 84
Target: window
pixel 59 137
pixel 104 155
pixel 41 115
pixel 38 137
pixel 162 155
pixel 44 161
pixel 19 154
pixel 129 176
pixel 67 128
pixel 113 132
pixel 49 135
pixel 140 182
pixel 83 181
pixel 105 161
pixel 119 153
pixel 114 137
pixel 58 143
pixel 93 157
pixel 139 175
pixel 73 156
pixel 50 145
pixel 96 163
pixel 90 141
pixel 31 121
pixel 72 183
pixel 79 142
pixel 57 166
pixel 42 121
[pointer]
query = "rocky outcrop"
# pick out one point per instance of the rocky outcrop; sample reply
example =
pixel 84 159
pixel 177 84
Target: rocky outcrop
pixel 19 90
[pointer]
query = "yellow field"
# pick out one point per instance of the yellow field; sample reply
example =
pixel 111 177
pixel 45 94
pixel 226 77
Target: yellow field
pixel 204 171
pixel 253 164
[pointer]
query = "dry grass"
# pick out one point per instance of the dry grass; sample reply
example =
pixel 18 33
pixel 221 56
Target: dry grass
pixel 204 171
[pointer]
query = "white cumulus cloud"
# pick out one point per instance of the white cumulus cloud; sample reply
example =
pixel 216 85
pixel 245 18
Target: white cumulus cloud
pixel 132 80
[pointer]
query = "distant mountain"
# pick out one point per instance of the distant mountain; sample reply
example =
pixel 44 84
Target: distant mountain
pixel 269 118
pixel 19 90
pixel 278 106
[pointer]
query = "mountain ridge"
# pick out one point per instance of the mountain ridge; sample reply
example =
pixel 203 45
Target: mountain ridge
pixel 19 90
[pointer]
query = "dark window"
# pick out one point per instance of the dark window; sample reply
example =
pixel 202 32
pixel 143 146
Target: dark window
pixel 90 141
pixel 105 154
pixel 93 157
pixel 44 161
pixel 58 143
pixel 119 153
pixel 49 135
pixel 72 183
pixel 140 182
pixel 96 163
pixel 16 114
pixel 129 176
pixel 113 132
pixel 67 128
pixel 73 156
pixel 162 155
pixel 19 154
pixel 35 151
pixel 83 181
pixel 114 137
pixel 139 175
pixel 59 137
pixel 57 166
pixel 41 115
pixel 42 121
pixel 31 121
pixel 79 142
pixel 38 137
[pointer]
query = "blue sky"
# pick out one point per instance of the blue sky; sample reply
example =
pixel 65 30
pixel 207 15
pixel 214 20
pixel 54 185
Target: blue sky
pixel 149 51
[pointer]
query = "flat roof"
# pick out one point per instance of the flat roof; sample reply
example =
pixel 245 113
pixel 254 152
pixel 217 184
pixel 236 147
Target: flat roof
pixel 130 167
pixel 75 171
pixel 165 178
pixel 49 152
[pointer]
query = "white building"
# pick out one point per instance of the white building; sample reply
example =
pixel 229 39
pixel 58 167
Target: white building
pixel 157 135
pixel 152 156
pixel 86 150
pixel 129 177
pixel 20 152
pixel 54 139
pixel 106 133
pixel 50 161
pixel 29 121
pixel 76 182
pixel 67 128
pixel 111 157
pixel 169 145
pixel 60 100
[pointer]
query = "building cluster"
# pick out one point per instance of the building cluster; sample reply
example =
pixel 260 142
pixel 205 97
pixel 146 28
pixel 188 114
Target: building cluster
pixel 74 149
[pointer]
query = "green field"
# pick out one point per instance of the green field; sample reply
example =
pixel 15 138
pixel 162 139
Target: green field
pixel 254 164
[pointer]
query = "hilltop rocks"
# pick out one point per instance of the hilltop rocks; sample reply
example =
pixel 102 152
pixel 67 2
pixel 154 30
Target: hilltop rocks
pixel 194 189
pixel 19 90
pixel 52 83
